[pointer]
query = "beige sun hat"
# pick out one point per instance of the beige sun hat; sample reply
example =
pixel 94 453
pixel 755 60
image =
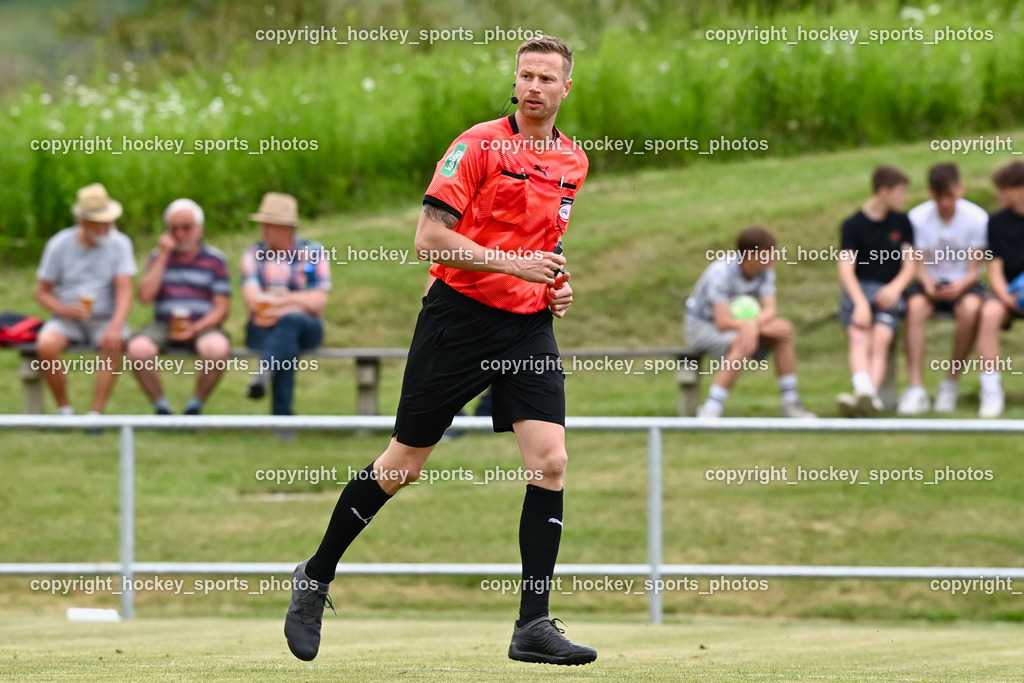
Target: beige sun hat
pixel 277 208
pixel 94 204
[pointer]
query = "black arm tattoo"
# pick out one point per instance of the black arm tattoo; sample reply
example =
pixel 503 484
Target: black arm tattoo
pixel 439 215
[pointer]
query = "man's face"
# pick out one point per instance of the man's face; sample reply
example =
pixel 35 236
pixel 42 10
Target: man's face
pixel 946 204
pixel 894 197
pixel 277 236
pixel 945 201
pixel 96 233
pixel 185 231
pixel 541 84
pixel 1011 198
pixel 756 262
pixel 762 260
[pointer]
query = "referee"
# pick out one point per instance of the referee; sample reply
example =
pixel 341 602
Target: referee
pixel 493 215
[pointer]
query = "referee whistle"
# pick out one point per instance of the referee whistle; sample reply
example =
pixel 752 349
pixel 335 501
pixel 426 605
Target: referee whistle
pixel 561 275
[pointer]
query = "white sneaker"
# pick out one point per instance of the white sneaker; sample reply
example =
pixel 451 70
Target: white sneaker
pixel 795 409
pixel 710 409
pixel 992 403
pixel 946 396
pixel 847 404
pixel 869 405
pixel 913 402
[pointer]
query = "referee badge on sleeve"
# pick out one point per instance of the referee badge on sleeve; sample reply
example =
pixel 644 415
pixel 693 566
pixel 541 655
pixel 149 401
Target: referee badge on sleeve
pixel 452 162
pixel 563 213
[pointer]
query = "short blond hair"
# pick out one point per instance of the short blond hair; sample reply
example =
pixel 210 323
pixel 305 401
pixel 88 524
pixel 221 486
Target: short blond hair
pixel 548 45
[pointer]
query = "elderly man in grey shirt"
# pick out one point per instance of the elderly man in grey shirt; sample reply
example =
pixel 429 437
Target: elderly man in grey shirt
pixel 85 280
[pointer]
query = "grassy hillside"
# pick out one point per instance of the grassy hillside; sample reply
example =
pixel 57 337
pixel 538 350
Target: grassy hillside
pixel 635 247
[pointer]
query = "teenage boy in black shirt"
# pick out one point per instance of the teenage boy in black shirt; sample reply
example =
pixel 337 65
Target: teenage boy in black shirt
pixel 876 263
pixel 1006 242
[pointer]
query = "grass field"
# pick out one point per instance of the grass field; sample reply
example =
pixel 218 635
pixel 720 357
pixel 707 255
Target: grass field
pixel 474 650
pixel 59 493
pixel 637 244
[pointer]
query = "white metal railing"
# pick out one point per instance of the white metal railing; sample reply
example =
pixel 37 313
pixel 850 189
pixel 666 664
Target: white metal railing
pixel 654 569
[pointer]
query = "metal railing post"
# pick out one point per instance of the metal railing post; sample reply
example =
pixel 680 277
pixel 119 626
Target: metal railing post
pixel 654 522
pixel 127 522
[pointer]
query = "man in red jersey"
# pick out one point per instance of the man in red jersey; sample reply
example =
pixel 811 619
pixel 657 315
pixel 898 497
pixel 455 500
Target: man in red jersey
pixel 492 219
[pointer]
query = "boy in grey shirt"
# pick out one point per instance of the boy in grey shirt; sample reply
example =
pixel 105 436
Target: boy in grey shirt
pixel 85 280
pixel 714 326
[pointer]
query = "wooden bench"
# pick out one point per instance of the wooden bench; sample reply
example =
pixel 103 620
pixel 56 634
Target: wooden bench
pixel 368 361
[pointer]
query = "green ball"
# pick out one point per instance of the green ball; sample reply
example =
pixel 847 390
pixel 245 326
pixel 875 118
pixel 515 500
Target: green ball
pixel 745 307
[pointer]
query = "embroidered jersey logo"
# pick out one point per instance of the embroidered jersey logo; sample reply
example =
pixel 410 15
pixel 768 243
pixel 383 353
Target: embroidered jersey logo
pixel 564 210
pixel 542 170
pixel 452 162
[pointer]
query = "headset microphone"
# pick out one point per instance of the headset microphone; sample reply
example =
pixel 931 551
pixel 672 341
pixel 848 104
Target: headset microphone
pixel 514 100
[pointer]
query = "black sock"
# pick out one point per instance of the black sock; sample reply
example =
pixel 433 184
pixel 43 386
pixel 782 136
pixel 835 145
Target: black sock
pixel 358 503
pixel 540 531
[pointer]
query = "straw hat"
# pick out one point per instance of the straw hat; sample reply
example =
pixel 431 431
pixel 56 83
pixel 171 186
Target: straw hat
pixel 277 208
pixel 94 204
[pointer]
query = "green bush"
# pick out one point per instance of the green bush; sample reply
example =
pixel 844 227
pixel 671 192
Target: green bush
pixel 381 115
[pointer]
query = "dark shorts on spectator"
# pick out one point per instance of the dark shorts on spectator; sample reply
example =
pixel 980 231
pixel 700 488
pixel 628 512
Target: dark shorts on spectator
pixel 889 317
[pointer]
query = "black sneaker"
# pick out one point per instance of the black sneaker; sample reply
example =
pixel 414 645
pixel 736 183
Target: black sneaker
pixel 257 390
pixel 542 641
pixel 305 614
pixel 160 410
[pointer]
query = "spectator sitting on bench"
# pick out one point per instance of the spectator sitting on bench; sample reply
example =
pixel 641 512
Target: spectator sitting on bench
pixel 950 239
pixel 1006 242
pixel 876 263
pixel 713 328
pixel 189 283
pixel 85 281
pixel 285 281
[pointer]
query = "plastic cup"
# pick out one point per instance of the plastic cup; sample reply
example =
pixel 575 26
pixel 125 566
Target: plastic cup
pixel 87 299
pixel 180 319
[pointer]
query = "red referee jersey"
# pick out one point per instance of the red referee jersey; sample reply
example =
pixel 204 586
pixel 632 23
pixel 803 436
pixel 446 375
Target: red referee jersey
pixel 509 195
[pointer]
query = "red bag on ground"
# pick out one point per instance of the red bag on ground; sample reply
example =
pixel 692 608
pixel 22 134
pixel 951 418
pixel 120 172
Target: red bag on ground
pixel 18 329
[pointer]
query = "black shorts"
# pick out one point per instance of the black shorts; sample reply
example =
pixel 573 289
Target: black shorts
pixel 888 317
pixel 462 346
pixel 977 289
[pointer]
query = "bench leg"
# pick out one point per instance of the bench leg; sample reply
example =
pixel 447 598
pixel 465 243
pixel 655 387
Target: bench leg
pixel 367 383
pixel 689 389
pixel 31 388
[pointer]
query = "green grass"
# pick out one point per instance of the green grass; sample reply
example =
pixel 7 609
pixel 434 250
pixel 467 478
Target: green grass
pixel 636 246
pixel 474 650
pixel 199 499
pixel 381 115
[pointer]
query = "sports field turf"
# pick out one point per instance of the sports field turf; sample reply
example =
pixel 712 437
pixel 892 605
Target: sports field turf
pixel 718 649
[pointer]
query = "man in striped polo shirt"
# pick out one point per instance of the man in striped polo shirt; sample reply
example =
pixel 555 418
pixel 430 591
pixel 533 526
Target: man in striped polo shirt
pixel 188 280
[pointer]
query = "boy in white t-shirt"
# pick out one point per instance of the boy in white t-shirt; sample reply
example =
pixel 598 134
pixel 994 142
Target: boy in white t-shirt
pixel 951 235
